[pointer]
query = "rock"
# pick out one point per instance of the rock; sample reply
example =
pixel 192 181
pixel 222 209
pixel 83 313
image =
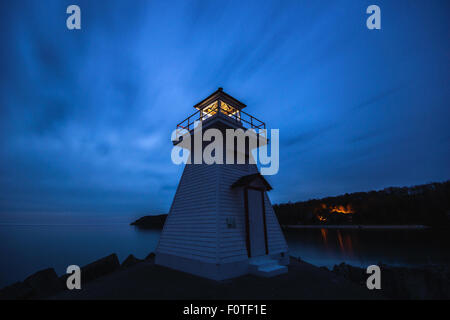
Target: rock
pixel 416 283
pixel 296 258
pixel 150 257
pixel 432 282
pixel 44 283
pixel 99 268
pixel 130 261
pixel 16 291
pixel 351 273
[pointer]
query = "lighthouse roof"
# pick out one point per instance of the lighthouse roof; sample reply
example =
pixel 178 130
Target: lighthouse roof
pixel 219 94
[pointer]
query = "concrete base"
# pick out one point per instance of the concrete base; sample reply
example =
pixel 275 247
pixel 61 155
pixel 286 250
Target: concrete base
pixel 203 269
pixel 266 267
pixel 211 270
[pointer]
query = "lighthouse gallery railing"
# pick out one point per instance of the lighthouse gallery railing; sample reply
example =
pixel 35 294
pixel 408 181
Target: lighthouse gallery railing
pixel 246 120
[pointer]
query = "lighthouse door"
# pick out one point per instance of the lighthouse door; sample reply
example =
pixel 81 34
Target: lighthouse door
pixel 256 223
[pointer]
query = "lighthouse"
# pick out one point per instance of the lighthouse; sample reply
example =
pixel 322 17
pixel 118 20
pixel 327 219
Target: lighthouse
pixel 221 223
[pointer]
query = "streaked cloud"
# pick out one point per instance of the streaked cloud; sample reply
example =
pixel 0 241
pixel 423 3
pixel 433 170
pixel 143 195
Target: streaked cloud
pixel 86 116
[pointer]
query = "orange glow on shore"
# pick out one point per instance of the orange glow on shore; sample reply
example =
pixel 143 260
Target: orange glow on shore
pixel 339 209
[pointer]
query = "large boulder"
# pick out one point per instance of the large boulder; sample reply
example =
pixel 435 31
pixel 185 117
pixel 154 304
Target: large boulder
pixel 44 283
pixel 130 261
pixel 99 268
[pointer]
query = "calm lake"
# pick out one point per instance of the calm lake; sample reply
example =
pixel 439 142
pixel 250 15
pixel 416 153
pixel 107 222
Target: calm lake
pixel 25 249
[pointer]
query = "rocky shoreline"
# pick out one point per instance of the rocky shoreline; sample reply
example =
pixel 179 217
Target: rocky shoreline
pixel 107 278
pixel 427 282
pixel 46 283
pixel 157 222
pixel 354 226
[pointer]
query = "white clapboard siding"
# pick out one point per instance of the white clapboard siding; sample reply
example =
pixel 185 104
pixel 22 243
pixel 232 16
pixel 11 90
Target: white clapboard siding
pixel 196 227
pixel 275 237
pixel 190 230
pixel 233 246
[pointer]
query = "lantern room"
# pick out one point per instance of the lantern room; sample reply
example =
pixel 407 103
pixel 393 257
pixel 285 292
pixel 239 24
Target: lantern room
pixel 219 104
pixel 220 101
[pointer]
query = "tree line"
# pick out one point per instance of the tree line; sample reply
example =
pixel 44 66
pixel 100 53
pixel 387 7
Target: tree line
pixel 427 204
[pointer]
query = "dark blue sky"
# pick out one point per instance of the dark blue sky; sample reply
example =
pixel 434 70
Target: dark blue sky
pixel 86 115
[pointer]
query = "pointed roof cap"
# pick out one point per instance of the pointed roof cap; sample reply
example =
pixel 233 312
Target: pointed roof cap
pixel 222 95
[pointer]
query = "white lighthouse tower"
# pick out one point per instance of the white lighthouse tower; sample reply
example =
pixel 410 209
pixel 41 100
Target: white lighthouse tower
pixel 221 223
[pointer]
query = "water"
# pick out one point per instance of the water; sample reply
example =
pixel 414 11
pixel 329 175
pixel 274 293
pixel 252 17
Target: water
pixel 27 249
pixel 398 247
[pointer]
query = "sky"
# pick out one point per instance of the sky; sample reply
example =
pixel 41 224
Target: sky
pixel 86 115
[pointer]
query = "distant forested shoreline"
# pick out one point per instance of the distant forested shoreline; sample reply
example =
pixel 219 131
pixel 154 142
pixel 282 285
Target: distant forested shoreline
pixel 427 204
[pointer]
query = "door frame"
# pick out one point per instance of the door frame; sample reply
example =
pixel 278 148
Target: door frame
pixel 247 221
